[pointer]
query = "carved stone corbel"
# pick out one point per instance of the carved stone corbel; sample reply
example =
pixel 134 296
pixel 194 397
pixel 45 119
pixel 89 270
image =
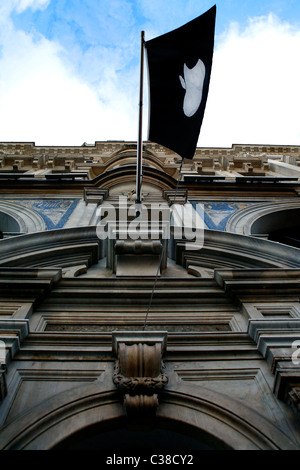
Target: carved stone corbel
pixel 139 371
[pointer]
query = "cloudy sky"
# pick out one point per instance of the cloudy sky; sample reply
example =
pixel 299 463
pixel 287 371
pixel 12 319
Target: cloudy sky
pixel 69 69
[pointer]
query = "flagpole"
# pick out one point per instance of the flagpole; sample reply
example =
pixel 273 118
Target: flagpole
pixel 140 141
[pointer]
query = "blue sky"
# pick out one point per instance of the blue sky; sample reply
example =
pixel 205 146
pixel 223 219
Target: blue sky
pixel 69 69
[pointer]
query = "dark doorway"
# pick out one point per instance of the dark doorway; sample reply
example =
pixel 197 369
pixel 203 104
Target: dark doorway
pixel 124 439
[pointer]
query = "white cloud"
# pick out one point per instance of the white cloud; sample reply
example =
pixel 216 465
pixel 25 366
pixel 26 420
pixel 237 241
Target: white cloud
pixel 43 100
pixel 21 5
pixel 7 6
pixel 254 93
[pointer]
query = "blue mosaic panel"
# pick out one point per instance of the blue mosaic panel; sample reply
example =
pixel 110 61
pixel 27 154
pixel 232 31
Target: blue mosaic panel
pixel 55 212
pixel 216 214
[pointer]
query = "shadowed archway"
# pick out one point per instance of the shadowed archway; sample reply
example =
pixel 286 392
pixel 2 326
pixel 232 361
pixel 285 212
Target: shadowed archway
pixel 118 436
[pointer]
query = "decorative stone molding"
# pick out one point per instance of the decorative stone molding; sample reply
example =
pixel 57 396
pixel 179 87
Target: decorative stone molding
pixel 181 196
pixel 69 165
pixel 36 163
pixel 50 163
pixel 237 252
pixel 12 332
pixel 95 195
pixel 139 371
pixel 64 248
pixel 18 164
pixel 275 340
pixel 274 336
pixel 32 283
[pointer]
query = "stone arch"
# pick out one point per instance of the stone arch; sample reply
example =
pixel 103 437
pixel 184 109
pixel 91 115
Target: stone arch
pixel 8 223
pixel 230 250
pixel 120 175
pixel 128 156
pixel 81 245
pixel 209 417
pixel 262 218
pixel 55 248
pixel 281 225
pixel 17 218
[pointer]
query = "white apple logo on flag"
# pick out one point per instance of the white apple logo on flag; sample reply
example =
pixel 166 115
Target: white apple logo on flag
pixel 193 85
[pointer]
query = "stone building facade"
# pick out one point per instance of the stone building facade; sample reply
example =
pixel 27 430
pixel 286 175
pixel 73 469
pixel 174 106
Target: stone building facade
pixel 184 337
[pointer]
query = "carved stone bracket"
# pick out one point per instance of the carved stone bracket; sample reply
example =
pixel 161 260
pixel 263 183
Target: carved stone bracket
pixel 139 371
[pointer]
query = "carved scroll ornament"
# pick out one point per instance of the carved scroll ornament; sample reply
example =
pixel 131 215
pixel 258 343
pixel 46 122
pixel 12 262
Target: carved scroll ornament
pixel 139 371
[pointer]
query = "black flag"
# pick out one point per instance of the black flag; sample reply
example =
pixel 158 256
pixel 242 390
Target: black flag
pixel 179 64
